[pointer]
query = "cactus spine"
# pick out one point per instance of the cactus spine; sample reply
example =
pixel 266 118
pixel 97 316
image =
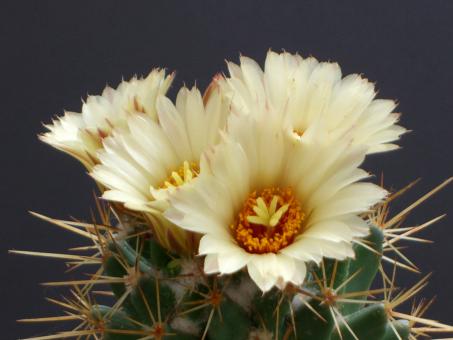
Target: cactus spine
pixel 156 294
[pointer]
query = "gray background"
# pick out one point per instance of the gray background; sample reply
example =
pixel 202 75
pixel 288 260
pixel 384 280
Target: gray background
pixel 53 53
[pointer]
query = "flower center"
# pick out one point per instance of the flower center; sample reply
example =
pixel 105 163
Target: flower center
pixel 186 172
pixel 268 221
pixel 298 132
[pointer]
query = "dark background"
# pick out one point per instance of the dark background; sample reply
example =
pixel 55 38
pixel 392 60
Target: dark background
pixel 53 53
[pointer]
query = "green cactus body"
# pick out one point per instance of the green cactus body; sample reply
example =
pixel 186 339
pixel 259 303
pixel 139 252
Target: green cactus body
pixel 164 296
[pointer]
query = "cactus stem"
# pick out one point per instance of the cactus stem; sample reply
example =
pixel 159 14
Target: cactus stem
pixel 155 290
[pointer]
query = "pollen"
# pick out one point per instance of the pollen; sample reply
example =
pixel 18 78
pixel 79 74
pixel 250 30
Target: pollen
pixel 186 172
pixel 269 221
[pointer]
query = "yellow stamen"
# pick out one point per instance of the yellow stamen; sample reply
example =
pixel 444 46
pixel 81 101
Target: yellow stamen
pixel 269 221
pixel 184 174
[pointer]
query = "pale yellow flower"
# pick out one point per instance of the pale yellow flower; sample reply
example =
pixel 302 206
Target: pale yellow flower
pixel 309 92
pixel 81 134
pixel 142 164
pixel 270 203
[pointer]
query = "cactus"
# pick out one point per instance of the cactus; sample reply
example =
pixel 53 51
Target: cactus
pixel 156 294
pixel 161 182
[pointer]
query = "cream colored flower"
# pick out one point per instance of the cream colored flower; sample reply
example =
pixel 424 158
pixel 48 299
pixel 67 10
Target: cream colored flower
pixel 142 164
pixel 270 203
pixel 310 92
pixel 81 134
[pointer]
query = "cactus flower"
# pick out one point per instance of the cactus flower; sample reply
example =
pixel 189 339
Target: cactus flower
pixel 309 92
pixel 240 214
pixel 141 165
pixel 271 204
pixel 81 134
